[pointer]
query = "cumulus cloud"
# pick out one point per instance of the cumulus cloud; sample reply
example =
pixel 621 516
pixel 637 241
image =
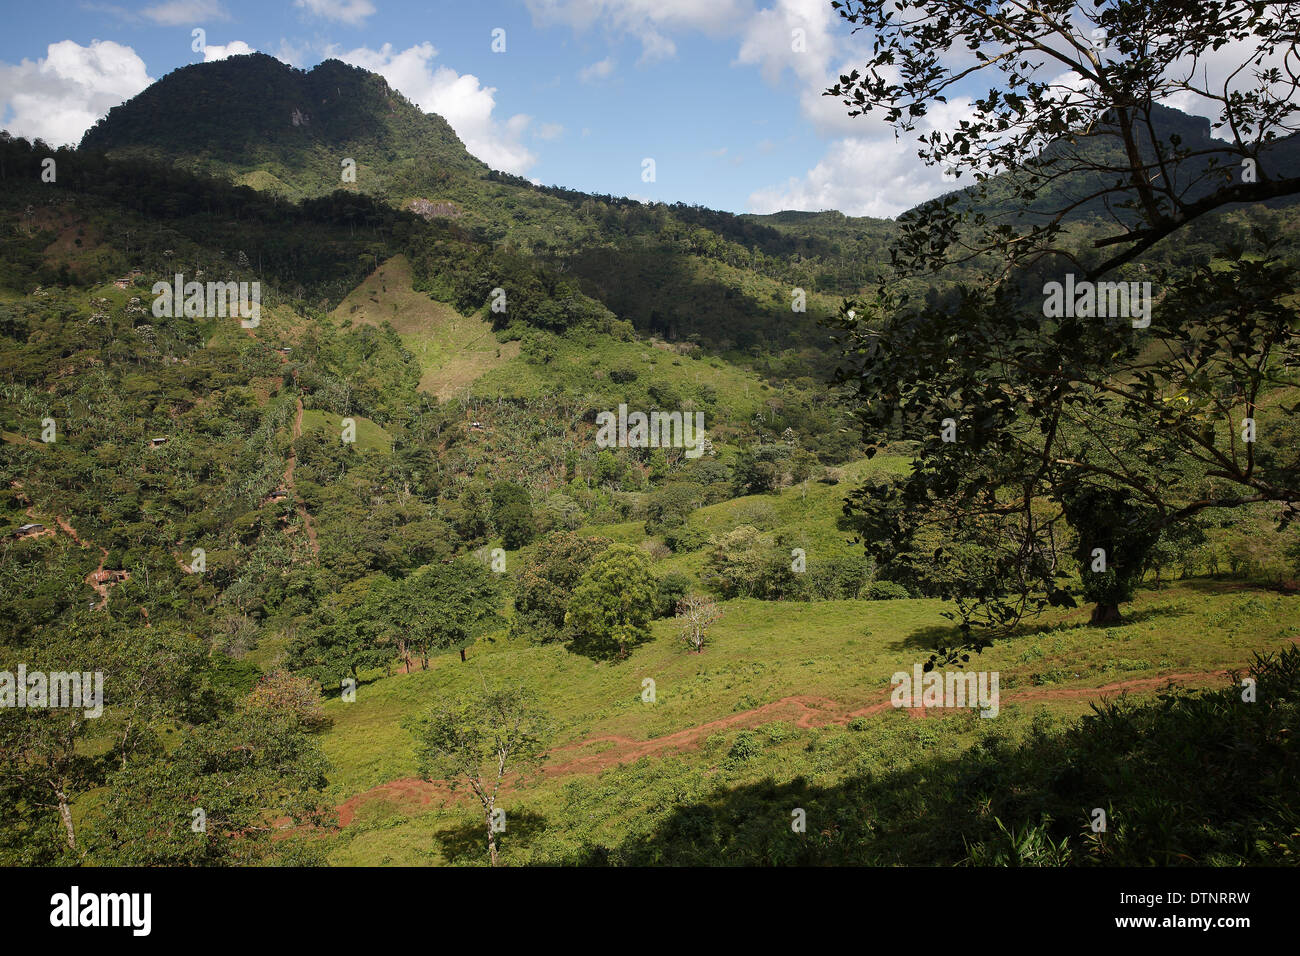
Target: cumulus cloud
pixel 649 21
pixel 597 71
pixel 859 177
pixel 295 54
pixel 177 13
pixel 233 48
pixel 871 174
pixel 794 34
pixel 351 12
pixel 57 98
pixel 461 99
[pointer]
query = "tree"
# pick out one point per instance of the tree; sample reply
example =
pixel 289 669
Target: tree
pixel 245 773
pixel 445 605
pixel 1072 123
pixel 668 507
pixel 746 562
pixel 1035 422
pixel 512 514
pixel 546 584
pixel 295 700
pixel 339 640
pixel 613 603
pixel 149 680
pixel 476 740
pixel 696 614
pixel 1034 433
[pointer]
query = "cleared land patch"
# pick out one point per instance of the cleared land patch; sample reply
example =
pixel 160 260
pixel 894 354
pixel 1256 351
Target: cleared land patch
pixel 453 350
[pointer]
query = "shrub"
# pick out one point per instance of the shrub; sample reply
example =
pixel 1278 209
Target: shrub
pixel 744 747
pixel 612 605
pixel 886 591
pixel 672 587
pixel 283 696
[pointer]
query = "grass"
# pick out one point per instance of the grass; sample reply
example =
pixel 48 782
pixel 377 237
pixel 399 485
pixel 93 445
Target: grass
pixel 580 361
pixel 807 513
pixel 842 651
pixel 370 437
pixel 453 350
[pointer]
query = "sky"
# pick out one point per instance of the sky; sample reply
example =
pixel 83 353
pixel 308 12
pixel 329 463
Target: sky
pixel 723 95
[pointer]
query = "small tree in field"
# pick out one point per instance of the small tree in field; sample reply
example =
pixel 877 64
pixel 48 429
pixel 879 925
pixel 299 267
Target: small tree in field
pixel 476 739
pixel 612 605
pixel 696 613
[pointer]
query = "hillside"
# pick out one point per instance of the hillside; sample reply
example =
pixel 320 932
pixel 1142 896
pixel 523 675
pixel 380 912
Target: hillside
pixel 299 549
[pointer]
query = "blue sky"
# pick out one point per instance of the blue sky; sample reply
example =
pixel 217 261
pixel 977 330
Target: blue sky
pixel 724 95
pixel 713 90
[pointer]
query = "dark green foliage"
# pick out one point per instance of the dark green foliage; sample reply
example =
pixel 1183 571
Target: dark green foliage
pixel 612 605
pixel 546 584
pixel 885 591
pixel 512 514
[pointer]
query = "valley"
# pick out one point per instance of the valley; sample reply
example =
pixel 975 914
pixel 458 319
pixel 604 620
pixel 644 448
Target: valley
pixel 369 587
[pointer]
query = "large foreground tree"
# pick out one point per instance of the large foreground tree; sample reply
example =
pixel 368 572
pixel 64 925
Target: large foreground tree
pixel 1065 435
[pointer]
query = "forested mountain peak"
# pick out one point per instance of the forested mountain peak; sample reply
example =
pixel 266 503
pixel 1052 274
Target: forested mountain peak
pixel 282 128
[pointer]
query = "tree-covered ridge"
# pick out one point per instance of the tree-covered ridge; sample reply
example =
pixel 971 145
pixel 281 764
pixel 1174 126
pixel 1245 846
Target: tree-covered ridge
pixel 281 546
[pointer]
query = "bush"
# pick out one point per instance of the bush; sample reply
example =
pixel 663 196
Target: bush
pixel 886 591
pixel 612 605
pixel 685 538
pixel 283 696
pixel 672 587
pixel 744 747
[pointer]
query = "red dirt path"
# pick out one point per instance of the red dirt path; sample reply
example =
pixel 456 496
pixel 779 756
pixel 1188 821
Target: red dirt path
pixel 806 712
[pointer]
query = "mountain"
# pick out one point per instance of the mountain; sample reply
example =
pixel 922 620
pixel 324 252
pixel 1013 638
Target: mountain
pixel 291 129
pixel 186 511
pixel 1044 186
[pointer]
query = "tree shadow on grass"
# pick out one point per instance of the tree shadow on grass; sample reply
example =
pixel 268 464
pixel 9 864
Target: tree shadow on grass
pixel 933 636
pixel 1013 802
pixel 602 651
pixel 928 638
pixel 466 842
pixel 1234 585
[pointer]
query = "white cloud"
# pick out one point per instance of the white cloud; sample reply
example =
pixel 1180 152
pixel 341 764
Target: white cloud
pixel 795 35
pixel 293 54
pixel 177 13
pixel 233 48
pixel 352 12
pixel 649 21
pixel 549 131
pixel 460 99
pixel 871 174
pixel 59 97
pixel 859 177
pixel 597 71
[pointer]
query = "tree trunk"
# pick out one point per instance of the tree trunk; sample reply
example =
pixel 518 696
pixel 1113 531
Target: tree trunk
pixel 492 841
pixel 1104 614
pixel 66 813
pixel 462 654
